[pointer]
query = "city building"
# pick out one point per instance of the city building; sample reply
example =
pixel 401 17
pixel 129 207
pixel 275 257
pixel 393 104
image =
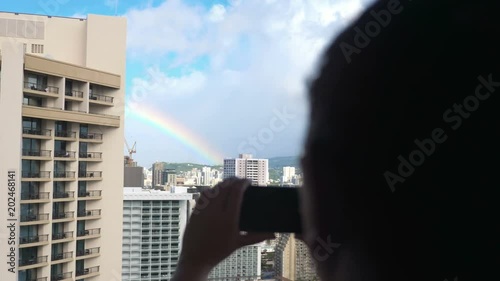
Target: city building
pixel 243 264
pixel 293 260
pixel 288 174
pixel 157 173
pixel 206 175
pixel 153 226
pixel 245 166
pixel 62 93
pixel 133 176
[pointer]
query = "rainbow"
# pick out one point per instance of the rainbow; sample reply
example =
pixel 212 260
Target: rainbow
pixel 173 128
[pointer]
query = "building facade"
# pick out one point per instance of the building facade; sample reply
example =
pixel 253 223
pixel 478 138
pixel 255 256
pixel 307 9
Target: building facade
pixel 245 166
pixel 243 265
pixel 62 95
pixel 293 260
pixel 153 226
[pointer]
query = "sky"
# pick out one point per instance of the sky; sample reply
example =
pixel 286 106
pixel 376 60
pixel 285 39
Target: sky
pixel 207 80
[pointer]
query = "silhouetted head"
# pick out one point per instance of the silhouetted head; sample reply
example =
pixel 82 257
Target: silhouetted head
pixel 402 128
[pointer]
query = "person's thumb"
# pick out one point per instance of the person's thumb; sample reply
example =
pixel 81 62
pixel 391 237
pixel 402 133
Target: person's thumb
pixel 253 238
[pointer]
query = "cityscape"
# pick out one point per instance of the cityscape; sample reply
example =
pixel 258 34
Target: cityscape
pixel 82 204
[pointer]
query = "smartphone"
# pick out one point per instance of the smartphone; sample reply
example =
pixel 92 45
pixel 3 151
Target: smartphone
pixel 271 209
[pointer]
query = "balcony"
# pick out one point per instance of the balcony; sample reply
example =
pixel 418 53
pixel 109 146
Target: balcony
pixel 88 233
pixel 64 175
pixel 90 195
pixel 64 196
pixel 37 279
pixel 101 99
pixel 90 156
pixel 41 90
pixel 62 237
pixel 37 133
pixel 62 276
pixel 33 262
pixel 32 154
pixel 35 197
pixel 91 137
pixel 90 175
pixel 35 176
pixel 65 155
pixel 62 257
pixel 87 273
pixel 65 135
pixel 74 95
pixel 32 219
pixel 71 116
pixel 33 241
pixel 88 253
pixel 89 214
pixel 63 217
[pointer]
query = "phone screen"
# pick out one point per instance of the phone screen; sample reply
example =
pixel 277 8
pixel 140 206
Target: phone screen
pixel 271 209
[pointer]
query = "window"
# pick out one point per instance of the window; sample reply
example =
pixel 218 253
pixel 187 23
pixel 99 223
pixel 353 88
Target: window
pixel 37 48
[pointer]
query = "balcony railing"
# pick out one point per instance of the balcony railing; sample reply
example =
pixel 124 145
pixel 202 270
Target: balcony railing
pixel 34 217
pixel 66 194
pixel 88 232
pixel 90 193
pixel 38 132
pixel 90 155
pixel 62 235
pixel 62 256
pixel 37 279
pixel 88 252
pixel 64 175
pixel 63 215
pixel 61 276
pixel 42 88
pixel 33 239
pixel 65 154
pixel 89 213
pixel 90 136
pixel 35 175
pixel 74 93
pixel 35 195
pixel 33 260
pixel 87 271
pixel 101 98
pixel 89 174
pixel 36 153
pixel 65 134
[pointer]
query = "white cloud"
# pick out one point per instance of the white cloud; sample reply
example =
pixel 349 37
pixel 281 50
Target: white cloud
pixel 260 55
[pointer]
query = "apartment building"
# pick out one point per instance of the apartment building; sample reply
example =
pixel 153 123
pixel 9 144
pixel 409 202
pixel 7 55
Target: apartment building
pixel 245 166
pixel 243 264
pixel 153 226
pixel 293 260
pixel 62 93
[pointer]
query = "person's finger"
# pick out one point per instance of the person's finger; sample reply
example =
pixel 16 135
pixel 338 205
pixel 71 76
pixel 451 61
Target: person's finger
pixel 253 238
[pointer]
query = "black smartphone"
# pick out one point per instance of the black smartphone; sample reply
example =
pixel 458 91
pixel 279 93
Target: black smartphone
pixel 271 209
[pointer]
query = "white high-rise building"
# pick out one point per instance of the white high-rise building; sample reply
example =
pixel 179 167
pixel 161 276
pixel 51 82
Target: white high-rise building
pixel 243 264
pixel 206 174
pixel 288 174
pixel 247 167
pixel 153 227
pixel 62 94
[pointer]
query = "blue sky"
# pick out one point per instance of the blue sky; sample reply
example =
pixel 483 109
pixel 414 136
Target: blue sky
pixel 224 70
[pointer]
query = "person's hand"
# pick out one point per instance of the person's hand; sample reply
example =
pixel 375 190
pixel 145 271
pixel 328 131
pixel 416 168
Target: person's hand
pixel 212 233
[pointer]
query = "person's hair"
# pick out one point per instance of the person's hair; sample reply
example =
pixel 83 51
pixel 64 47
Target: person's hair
pixel 392 101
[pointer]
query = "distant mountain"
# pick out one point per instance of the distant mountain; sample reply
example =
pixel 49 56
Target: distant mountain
pixel 184 167
pixel 280 162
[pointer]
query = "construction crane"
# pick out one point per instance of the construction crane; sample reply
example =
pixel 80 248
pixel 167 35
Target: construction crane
pixel 131 151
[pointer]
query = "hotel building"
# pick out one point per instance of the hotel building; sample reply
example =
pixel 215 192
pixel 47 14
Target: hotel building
pixel 61 106
pixel 245 166
pixel 153 227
